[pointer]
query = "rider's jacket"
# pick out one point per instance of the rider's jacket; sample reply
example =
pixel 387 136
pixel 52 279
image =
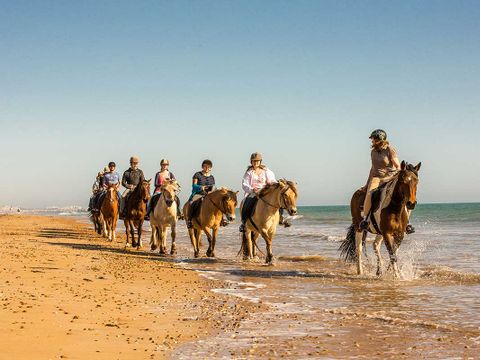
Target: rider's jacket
pixel 110 178
pixel 253 182
pixel 132 177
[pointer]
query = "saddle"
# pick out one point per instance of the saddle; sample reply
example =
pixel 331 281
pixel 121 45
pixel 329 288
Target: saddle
pixel 381 198
pixel 248 208
pixel 153 202
pixel 195 206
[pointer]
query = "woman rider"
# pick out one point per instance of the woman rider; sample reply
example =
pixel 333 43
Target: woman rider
pixel 255 179
pixel 385 166
pixel 203 182
pixel 160 177
pixel 110 177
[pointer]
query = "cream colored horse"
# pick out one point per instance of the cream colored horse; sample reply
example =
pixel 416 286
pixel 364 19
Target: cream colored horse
pixel 265 218
pixel 163 216
pixel 209 217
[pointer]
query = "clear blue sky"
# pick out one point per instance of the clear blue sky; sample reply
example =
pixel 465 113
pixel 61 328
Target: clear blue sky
pixel 303 82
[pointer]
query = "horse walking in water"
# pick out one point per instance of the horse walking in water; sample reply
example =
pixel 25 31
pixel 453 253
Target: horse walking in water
pixel 109 211
pixel 209 216
pixel 393 220
pixel 163 216
pixel 265 218
pixel 135 210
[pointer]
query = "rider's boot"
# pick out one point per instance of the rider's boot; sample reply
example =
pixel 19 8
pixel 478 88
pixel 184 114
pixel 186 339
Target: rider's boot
pixel 241 228
pixel 410 229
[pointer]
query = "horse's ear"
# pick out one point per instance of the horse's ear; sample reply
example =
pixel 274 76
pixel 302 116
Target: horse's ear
pixel 149 180
pixel 403 165
pixel 417 167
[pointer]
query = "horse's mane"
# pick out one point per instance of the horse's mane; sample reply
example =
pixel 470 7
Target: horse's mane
pixel 269 187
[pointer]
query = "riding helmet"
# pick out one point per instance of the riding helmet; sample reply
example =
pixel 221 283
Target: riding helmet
pixel 111 163
pixel 164 162
pixel 378 134
pixel 256 157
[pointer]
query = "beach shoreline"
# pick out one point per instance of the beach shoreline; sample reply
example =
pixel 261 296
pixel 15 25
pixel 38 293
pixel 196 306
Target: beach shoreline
pixel 68 293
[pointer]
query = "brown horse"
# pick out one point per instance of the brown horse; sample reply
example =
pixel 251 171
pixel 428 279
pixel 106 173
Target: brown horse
pixel 209 217
pixel 264 220
pixel 135 210
pixel 393 220
pixel 163 216
pixel 109 211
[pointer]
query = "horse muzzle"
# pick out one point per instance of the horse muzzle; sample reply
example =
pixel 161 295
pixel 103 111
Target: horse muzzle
pixel 292 211
pixel 411 205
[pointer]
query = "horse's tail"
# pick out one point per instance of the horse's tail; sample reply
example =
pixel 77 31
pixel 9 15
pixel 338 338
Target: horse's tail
pixel 243 248
pixel 348 249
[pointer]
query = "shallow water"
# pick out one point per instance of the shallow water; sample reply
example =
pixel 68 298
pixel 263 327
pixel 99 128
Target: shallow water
pixel 319 307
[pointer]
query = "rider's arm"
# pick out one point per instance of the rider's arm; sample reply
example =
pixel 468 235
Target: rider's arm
pixel 246 182
pixel 270 176
pixel 394 158
pixel 124 180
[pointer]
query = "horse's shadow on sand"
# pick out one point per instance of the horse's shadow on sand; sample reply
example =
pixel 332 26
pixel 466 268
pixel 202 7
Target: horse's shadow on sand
pixel 55 233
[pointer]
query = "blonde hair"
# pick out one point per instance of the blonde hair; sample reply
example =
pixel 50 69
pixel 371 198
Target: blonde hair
pixel 380 145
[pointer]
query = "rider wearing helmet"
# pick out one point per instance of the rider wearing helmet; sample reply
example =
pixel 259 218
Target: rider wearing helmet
pixel 109 178
pixel 385 165
pixel 160 177
pixel 130 179
pixel 203 182
pixel 254 180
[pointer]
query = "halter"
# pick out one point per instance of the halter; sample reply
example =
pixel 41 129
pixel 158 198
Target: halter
pixel 222 211
pixel 281 198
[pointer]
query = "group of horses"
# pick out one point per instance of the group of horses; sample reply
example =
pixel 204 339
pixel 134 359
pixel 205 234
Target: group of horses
pixel 211 209
pixel 393 217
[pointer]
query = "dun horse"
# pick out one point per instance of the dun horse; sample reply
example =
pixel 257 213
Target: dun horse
pixel 164 215
pixel 209 217
pixel 135 210
pixel 393 220
pixel 265 218
pixel 109 211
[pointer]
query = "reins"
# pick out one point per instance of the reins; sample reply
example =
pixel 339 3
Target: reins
pixel 222 211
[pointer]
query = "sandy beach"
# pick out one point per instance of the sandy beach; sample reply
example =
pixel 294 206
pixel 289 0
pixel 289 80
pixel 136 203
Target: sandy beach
pixel 69 294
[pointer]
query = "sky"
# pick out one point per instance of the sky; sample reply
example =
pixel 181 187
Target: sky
pixel 83 83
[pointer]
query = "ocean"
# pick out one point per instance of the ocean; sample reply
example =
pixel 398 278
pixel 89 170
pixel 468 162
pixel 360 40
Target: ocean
pixel 319 307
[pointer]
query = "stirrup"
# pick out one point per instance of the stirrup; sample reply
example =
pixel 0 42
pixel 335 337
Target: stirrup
pixel 410 229
pixel 363 225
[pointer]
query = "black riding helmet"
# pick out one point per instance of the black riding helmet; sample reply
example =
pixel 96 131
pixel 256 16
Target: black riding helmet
pixel 111 163
pixel 378 134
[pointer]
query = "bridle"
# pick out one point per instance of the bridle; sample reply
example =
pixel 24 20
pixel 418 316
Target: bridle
pixel 282 197
pixel 224 211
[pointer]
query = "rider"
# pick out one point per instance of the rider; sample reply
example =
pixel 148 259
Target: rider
pixel 203 182
pixel 97 187
pixel 385 165
pixel 109 178
pixel 255 179
pixel 160 177
pixel 130 179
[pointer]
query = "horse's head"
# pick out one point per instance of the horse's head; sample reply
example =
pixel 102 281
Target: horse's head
pixel 229 203
pixel 407 183
pixel 169 190
pixel 111 193
pixel 288 196
pixel 145 190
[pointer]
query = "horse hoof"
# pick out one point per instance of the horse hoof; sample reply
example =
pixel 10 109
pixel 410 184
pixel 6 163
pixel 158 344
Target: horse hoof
pixel 173 252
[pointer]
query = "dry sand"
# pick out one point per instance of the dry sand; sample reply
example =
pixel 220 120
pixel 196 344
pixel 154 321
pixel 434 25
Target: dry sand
pixel 68 293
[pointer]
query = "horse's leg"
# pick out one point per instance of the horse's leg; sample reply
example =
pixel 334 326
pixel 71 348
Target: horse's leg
pixel 247 242
pixel 153 244
pixel 139 240
pixel 191 234
pixel 392 251
pixel 163 239
pixel 358 246
pixel 254 243
pixel 173 234
pixel 376 246
pixel 214 239
pixel 105 229
pixel 209 238
pixel 127 231
pixel 198 235
pixel 268 236
pixel 114 227
pixel 132 233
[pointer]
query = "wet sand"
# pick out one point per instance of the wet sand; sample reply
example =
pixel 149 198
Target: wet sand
pixel 66 293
